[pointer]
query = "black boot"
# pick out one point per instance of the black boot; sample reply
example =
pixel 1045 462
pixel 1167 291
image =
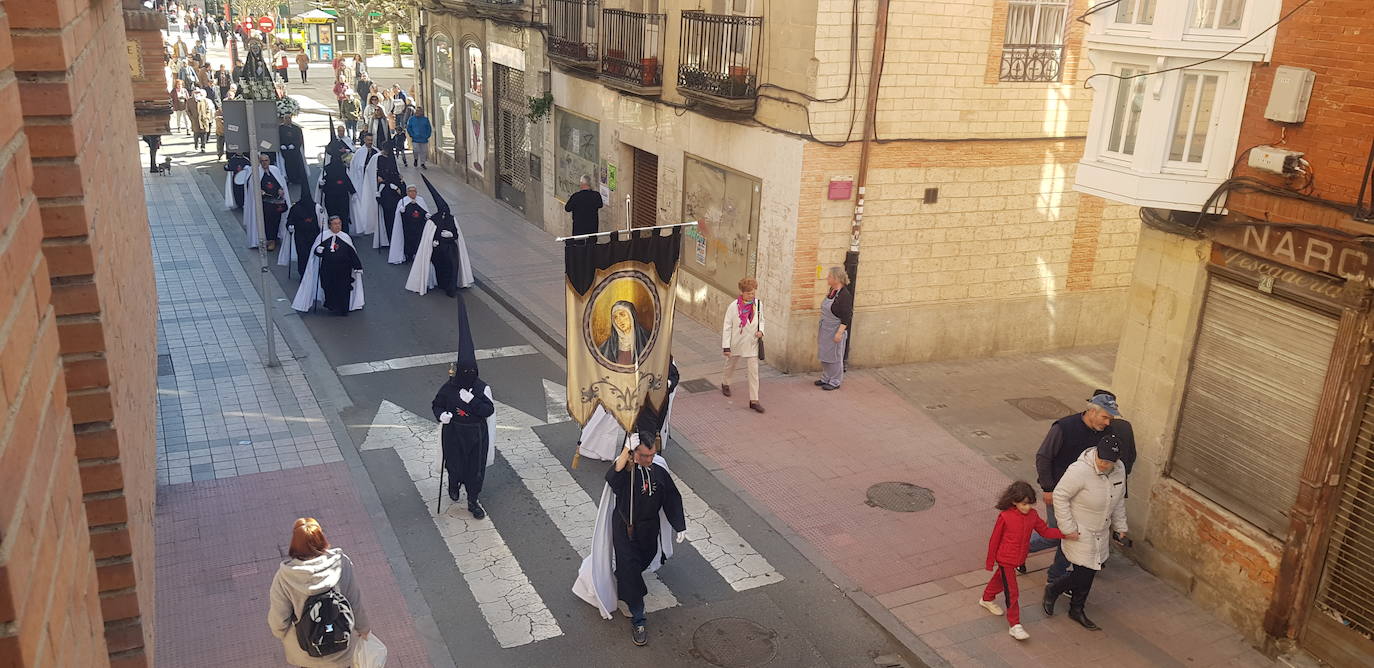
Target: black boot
pixel 1047 604
pixel 1077 615
pixel 475 507
pixel 450 292
pixel 453 493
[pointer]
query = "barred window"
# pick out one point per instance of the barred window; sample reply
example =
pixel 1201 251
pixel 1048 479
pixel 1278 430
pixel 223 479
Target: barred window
pixel 1033 48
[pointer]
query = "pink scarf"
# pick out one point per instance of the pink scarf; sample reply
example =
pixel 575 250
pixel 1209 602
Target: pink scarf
pixel 746 312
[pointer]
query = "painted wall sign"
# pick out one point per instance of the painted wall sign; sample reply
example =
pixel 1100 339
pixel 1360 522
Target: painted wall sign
pixel 1271 276
pixel 1300 249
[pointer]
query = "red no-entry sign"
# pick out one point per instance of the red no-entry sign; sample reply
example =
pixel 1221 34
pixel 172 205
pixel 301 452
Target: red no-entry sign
pixel 266 24
pixel 246 24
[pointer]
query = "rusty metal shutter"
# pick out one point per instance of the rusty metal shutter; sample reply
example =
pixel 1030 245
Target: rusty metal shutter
pixel 1251 400
pixel 1342 624
pixel 645 202
pixel 512 144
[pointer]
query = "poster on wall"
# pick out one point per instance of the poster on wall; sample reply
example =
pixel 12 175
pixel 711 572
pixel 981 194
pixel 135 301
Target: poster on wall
pixel 576 151
pixel 725 203
pixel 476 139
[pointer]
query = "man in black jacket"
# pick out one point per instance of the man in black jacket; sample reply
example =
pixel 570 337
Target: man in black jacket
pixel 1068 437
pixel 584 206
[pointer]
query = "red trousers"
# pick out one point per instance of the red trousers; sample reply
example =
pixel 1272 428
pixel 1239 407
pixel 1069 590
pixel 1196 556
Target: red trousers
pixel 1004 580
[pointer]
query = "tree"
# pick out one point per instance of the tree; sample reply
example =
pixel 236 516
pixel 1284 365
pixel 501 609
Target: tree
pixel 373 14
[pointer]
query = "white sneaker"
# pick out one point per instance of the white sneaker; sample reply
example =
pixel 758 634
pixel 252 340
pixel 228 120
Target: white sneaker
pixel 1018 632
pixel 991 606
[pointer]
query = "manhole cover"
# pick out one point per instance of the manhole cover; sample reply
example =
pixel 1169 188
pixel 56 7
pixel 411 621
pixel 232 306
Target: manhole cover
pixel 734 642
pixel 902 497
pixel 698 385
pixel 1041 408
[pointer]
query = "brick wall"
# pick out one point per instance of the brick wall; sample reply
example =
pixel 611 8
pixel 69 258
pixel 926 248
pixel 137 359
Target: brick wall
pixel 85 458
pixel 940 74
pixel 1335 137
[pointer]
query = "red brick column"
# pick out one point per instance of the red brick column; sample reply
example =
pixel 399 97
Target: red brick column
pixel 73 175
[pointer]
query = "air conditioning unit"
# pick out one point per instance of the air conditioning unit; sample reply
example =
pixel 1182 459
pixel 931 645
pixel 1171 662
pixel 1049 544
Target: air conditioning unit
pixel 1290 94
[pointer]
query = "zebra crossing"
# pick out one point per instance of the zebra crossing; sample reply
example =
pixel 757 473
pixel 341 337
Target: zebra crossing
pixel 516 613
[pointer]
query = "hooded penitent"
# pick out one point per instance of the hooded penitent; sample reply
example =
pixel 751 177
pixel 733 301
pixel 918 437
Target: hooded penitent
pixel 336 147
pixel 465 407
pixel 303 224
pixel 441 256
pixel 390 189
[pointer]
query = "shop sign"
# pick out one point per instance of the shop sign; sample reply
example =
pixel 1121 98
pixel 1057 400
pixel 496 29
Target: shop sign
pixel 1270 276
pixel 1300 249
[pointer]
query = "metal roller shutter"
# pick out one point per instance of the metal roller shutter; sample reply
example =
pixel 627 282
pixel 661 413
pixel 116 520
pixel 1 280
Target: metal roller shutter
pixel 645 213
pixel 1251 400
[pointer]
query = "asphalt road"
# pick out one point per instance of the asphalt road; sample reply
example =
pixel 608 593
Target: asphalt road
pixel 800 620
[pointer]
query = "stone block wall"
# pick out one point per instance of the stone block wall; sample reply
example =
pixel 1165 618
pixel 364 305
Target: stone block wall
pixel 77 425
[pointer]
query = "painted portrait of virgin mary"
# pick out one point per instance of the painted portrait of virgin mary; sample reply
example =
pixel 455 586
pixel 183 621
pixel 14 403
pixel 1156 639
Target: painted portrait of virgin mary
pixel 627 339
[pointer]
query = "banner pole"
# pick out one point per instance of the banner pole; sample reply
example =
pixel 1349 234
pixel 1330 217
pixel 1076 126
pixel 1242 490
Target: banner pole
pixel 692 223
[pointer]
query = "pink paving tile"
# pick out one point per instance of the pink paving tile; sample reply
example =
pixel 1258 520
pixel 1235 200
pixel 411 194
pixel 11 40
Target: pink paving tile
pixel 230 534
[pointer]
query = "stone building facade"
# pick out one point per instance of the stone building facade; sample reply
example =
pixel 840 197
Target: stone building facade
pixel 973 240
pixel 1244 363
pixel 77 344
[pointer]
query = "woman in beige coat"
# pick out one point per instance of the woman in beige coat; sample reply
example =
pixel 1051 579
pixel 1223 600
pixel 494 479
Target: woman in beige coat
pixel 315 567
pixel 739 339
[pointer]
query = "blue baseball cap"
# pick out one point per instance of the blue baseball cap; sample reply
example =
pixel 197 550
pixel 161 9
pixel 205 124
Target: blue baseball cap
pixel 1107 402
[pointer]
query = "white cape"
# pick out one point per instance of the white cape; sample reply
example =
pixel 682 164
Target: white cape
pixel 596 577
pixel 398 249
pixel 602 437
pixel 229 203
pixel 288 254
pixel 382 239
pixel 422 277
pixel 363 209
pixel 309 293
pixel 252 206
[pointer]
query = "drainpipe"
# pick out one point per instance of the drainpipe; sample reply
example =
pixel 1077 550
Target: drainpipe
pixel 851 258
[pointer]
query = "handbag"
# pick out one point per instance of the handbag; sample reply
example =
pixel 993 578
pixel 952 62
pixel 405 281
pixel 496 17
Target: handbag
pixel 760 315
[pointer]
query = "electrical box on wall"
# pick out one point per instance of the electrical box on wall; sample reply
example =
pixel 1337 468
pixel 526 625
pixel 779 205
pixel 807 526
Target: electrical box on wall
pixel 1290 94
pixel 1276 160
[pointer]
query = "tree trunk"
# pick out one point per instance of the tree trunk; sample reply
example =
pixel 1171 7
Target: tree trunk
pixel 395 47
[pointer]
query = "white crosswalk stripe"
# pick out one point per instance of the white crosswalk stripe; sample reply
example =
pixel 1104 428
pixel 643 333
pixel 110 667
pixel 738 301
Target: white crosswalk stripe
pixel 513 609
pixel 413 361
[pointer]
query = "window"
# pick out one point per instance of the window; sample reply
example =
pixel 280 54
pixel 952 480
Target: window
pixel 1033 47
pixel 474 129
pixel 1135 12
pixel 1193 117
pixel 444 110
pixel 1218 14
pixel 1125 111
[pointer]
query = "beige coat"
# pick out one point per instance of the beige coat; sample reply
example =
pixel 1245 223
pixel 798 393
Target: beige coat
pixel 742 341
pixel 1092 504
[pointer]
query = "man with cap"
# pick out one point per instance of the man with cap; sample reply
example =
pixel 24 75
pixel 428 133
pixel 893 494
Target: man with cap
pixel 465 408
pixel 1068 438
pixel 1090 499
pixel 441 260
pixel 630 538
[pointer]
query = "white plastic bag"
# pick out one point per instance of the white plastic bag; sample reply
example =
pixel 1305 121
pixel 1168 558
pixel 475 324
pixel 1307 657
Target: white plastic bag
pixel 370 653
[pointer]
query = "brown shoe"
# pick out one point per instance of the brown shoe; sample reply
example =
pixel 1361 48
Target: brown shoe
pixel 758 407
pixel 725 390
pixel 271 245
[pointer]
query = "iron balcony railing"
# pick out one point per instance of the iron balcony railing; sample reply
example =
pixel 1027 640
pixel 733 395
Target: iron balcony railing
pixel 1032 62
pixel 572 29
pixel 632 46
pixel 719 54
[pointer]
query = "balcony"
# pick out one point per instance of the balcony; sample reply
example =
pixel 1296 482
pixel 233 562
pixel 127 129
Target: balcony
pixel 633 56
pixel 719 59
pixel 572 32
pixel 519 10
pixel 1032 62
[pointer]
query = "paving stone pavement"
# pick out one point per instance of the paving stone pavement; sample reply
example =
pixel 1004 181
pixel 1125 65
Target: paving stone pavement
pixel 242 452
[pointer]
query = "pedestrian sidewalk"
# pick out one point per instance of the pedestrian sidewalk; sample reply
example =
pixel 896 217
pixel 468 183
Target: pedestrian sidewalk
pixel 243 450
pixel 962 430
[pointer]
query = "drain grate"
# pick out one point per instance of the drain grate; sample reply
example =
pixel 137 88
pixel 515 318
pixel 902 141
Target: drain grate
pixel 734 642
pixel 164 366
pixel 902 497
pixel 1041 408
pixel 698 385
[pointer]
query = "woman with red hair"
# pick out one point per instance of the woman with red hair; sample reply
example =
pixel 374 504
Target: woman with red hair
pixel 322 576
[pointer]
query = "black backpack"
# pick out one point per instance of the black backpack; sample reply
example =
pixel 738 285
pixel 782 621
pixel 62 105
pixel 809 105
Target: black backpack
pixel 326 624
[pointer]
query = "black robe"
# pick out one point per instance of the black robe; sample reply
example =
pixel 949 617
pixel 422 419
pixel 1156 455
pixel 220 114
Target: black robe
pixel 445 255
pixel 301 218
pixel 412 228
pixel 635 551
pixel 338 259
pixel 389 191
pixel 236 162
pixel 465 439
pixel 293 152
pixel 273 205
pixel 338 191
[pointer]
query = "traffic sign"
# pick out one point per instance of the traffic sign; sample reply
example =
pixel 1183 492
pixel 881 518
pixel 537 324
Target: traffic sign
pixel 246 24
pixel 266 24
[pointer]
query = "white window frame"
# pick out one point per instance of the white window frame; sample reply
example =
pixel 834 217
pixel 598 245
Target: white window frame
pixel 1213 124
pixel 1037 16
pixel 1137 7
pixel 1111 116
pixel 1194 6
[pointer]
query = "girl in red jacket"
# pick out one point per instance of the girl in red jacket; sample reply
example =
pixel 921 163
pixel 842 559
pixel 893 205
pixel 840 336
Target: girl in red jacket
pixel 1008 548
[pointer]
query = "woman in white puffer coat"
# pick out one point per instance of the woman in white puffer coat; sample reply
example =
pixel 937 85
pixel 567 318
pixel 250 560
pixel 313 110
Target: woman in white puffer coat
pixel 1089 500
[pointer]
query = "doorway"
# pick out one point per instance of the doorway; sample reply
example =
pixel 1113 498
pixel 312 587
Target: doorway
pixel 644 205
pixel 512 143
